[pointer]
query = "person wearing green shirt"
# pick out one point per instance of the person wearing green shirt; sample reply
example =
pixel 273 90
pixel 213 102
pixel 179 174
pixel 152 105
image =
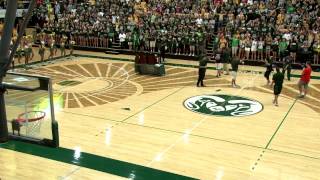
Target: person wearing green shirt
pixel 290 9
pixel 203 61
pixel 200 42
pixel 135 40
pixel 235 45
pixel 277 81
pixel 215 43
pixel 153 18
pixel 283 45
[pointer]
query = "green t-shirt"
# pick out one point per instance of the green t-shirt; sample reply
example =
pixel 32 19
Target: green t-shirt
pixel 291 10
pixel 278 79
pixel 235 42
pixel 200 36
pixel 215 42
pixel 283 46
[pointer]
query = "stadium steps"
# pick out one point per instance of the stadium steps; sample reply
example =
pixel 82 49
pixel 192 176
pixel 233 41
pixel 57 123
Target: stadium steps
pixel 116 44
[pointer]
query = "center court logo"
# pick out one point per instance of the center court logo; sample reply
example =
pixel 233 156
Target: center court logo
pixel 223 105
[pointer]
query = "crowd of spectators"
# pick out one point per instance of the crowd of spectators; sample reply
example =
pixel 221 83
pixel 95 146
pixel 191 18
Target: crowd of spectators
pixel 253 29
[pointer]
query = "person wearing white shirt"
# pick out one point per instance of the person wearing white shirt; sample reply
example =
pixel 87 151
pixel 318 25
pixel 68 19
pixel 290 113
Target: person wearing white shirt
pixel 122 37
pixel 199 21
pixel 287 36
pixel 254 49
pixel 260 49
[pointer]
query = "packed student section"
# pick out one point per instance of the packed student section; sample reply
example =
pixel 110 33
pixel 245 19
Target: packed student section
pixel 253 30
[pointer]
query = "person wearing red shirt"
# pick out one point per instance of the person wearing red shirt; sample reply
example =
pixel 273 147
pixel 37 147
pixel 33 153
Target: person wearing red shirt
pixel 304 80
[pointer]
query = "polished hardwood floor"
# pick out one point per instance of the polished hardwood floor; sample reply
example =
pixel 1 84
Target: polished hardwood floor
pixel 110 111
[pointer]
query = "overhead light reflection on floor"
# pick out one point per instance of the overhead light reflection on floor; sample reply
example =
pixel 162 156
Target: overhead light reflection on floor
pixel 159 157
pixel 141 118
pixel 186 136
pixel 77 153
pixel 108 136
pixel 132 175
pixel 219 174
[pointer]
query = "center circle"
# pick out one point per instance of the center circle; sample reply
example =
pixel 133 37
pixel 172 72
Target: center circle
pixel 223 105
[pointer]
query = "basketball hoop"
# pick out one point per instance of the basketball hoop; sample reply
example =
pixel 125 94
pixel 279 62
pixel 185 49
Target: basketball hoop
pixel 31 120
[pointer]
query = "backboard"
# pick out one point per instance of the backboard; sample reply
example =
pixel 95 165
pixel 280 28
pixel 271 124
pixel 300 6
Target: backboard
pixel 30 110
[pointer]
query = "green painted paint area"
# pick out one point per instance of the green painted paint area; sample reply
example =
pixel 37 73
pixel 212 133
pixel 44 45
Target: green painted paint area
pixel 223 105
pixel 91 161
pixel 69 83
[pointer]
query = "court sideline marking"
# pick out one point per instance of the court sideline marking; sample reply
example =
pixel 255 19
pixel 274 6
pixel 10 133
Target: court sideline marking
pixel 272 137
pixel 279 126
pixel 77 168
pixel 91 161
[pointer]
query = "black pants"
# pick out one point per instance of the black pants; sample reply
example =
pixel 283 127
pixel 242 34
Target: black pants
pixel 267 75
pixel 162 55
pixel 122 44
pixel 289 73
pixel 202 74
pixel 12 65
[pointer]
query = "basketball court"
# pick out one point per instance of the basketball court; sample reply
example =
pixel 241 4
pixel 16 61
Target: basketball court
pixel 116 124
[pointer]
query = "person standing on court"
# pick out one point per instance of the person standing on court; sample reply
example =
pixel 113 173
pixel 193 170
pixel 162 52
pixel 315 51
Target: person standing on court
pixel 287 66
pixel 277 81
pixel 235 66
pixel 163 49
pixel 304 80
pixel 269 69
pixel 203 61
pixel 217 57
pixel 226 60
